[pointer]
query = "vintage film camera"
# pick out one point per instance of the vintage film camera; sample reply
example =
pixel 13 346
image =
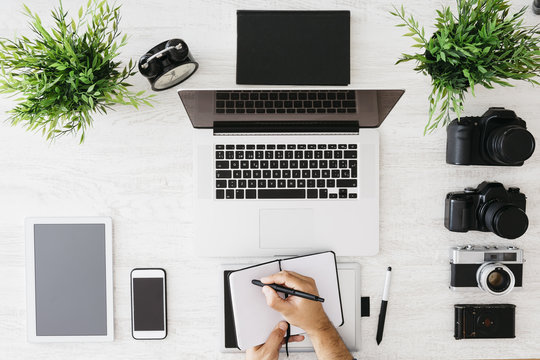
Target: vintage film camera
pixel 489 207
pixel 498 137
pixel 495 270
pixel 486 321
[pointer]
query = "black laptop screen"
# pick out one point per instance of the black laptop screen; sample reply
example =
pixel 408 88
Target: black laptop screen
pixel 367 108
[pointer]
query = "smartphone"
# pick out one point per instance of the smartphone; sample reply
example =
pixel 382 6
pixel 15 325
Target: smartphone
pixel 148 304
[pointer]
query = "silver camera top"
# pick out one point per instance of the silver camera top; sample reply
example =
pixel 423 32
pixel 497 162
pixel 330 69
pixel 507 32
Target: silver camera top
pixel 472 254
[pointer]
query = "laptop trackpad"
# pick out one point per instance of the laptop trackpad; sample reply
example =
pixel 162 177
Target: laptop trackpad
pixel 285 228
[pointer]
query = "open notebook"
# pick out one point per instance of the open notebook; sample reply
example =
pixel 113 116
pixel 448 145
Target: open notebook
pixel 254 320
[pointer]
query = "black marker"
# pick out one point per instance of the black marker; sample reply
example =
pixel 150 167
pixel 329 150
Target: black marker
pixel 384 303
pixel 288 291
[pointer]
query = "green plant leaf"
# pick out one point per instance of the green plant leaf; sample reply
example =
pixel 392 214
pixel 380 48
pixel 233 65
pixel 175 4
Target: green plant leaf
pixel 481 43
pixel 67 72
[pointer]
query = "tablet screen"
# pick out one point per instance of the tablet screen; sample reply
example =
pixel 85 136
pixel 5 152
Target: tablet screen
pixel 70 279
pixel 293 47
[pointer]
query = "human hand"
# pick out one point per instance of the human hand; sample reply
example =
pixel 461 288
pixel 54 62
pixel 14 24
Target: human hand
pixel 306 314
pixel 270 349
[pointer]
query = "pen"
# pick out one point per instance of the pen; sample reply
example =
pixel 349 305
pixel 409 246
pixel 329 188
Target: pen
pixel 288 291
pixel 384 303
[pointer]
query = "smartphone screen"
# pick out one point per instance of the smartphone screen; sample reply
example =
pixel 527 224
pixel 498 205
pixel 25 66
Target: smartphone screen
pixel 148 303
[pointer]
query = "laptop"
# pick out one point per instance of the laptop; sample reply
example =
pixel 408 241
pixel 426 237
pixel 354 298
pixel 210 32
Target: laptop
pixel 285 171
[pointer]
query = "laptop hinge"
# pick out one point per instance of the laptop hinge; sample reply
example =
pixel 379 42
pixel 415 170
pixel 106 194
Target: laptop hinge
pixel 285 127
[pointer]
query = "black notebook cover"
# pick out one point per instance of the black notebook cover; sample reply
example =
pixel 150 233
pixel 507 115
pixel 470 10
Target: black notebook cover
pixel 230 329
pixel 293 47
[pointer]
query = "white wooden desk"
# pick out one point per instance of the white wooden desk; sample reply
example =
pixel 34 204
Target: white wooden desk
pixel 136 166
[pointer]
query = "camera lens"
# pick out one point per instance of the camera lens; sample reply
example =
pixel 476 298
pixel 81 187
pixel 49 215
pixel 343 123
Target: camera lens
pixel 495 278
pixel 510 145
pixel 498 280
pixel 486 323
pixel 506 220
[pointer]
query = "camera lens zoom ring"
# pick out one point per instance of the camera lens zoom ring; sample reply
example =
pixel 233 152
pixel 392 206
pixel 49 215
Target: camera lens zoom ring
pixel 506 220
pixel 483 273
pixel 510 145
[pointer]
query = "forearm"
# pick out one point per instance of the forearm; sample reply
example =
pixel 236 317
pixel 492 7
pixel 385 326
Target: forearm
pixel 328 344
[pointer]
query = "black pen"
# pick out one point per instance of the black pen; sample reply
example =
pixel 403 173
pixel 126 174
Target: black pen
pixel 288 291
pixel 384 303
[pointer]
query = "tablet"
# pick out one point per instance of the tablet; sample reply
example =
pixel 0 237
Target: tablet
pixel 69 279
pixel 298 47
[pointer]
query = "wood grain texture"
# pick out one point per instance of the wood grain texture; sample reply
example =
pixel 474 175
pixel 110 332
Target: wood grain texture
pixel 136 166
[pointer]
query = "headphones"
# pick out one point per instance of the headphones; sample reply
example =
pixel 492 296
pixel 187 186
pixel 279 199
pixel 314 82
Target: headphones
pixel 167 64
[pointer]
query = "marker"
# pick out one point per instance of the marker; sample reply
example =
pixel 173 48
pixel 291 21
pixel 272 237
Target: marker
pixel 384 303
pixel 288 291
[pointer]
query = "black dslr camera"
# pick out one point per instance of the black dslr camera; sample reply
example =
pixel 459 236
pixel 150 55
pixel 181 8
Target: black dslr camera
pixel 498 137
pixel 484 321
pixel 489 207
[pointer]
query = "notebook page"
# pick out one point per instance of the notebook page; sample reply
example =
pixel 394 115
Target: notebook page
pixel 322 268
pixel 254 320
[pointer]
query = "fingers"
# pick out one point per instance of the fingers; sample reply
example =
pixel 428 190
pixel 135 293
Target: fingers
pixel 276 336
pixel 289 279
pixel 301 277
pixel 274 300
pixel 294 338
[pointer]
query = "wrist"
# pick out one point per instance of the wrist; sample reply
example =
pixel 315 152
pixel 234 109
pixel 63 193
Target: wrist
pixel 322 327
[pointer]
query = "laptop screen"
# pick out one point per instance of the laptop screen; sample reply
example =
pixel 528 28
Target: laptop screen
pixel 367 108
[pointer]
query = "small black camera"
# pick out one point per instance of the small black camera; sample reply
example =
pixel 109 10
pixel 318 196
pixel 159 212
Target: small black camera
pixel 489 207
pixel 486 321
pixel 498 137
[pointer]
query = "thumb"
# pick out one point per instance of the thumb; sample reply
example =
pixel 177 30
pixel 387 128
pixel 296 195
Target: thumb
pixel 274 300
pixel 276 336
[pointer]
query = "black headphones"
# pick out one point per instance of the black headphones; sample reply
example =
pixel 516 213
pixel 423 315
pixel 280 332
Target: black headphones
pixel 167 64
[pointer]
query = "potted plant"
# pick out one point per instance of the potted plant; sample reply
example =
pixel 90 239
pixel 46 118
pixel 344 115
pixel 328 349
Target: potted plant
pixel 68 72
pixel 479 44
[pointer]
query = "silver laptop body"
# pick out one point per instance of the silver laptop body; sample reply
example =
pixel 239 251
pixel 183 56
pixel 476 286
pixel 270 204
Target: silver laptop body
pixel 286 171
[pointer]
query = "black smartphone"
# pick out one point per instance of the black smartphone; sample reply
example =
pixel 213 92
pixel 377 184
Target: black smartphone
pixel 148 304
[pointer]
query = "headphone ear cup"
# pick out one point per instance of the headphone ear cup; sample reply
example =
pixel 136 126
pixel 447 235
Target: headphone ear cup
pixel 149 69
pixel 179 50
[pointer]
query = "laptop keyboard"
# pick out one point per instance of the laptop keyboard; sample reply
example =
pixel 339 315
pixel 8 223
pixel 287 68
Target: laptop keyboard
pixel 285 102
pixel 286 171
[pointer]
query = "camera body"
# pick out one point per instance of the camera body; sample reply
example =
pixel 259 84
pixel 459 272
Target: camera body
pixel 489 207
pixel 498 137
pixel 485 321
pixel 495 270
